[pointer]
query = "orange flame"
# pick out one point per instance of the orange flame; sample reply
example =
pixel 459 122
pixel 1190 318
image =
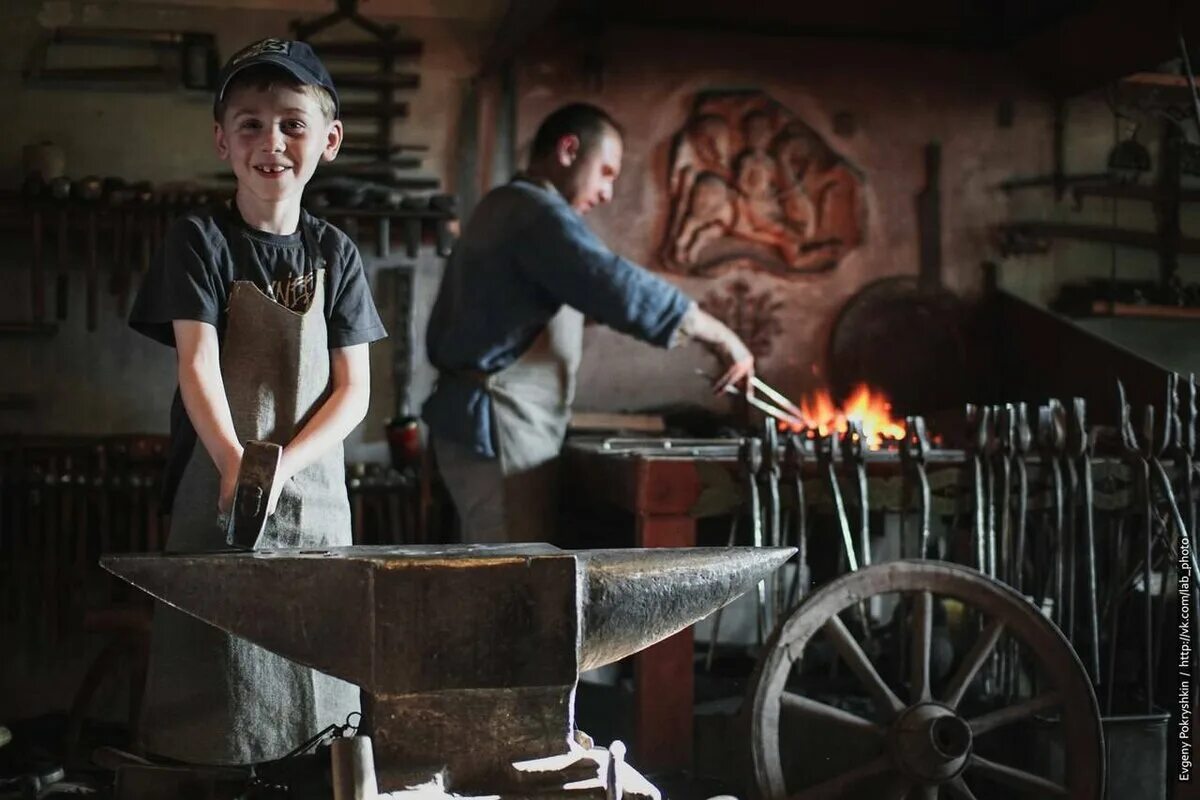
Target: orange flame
pixel 871 409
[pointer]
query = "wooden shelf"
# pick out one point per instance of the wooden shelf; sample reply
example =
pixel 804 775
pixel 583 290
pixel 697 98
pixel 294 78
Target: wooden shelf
pixel 1103 308
pixel 1157 86
pixel 1125 191
pixel 1147 240
pixel 33 329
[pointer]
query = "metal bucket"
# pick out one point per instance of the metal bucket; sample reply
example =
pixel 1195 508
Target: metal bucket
pixel 1135 748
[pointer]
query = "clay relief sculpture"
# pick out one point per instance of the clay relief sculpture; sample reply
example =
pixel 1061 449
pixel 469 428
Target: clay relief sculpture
pixel 753 185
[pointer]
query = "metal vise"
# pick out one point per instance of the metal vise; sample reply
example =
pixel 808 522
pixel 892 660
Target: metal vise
pixel 471 654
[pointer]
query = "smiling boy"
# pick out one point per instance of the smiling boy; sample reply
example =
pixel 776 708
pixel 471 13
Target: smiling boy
pixel 270 314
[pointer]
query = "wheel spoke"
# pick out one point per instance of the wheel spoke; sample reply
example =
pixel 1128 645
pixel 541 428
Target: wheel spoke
pixel 922 635
pixel 1017 778
pixel 975 658
pixel 860 665
pixel 958 788
pixel 813 709
pixel 836 788
pixel 1006 716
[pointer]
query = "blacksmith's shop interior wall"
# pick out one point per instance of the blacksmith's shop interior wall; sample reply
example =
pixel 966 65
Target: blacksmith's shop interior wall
pixel 166 136
pixel 1093 125
pixel 870 109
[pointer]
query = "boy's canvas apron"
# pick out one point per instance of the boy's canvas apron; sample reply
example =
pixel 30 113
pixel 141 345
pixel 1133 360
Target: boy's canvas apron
pixel 211 697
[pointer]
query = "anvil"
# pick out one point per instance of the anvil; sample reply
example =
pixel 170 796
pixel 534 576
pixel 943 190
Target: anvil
pixel 470 653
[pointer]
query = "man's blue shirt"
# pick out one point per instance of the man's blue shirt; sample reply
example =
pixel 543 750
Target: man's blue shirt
pixel 523 255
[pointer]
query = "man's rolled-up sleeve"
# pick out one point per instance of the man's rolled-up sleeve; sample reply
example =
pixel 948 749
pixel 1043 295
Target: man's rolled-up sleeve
pixel 564 257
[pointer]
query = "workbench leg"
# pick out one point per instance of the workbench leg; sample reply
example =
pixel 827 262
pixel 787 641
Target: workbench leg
pixel 663 677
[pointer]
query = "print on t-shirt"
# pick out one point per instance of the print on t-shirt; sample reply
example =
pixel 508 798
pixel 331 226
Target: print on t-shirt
pixel 294 292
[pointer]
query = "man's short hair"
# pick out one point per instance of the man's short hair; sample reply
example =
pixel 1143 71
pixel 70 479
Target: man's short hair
pixel 265 76
pixel 584 120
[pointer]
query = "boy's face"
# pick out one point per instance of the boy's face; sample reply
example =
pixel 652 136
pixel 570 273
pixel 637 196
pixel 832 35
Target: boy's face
pixel 274 138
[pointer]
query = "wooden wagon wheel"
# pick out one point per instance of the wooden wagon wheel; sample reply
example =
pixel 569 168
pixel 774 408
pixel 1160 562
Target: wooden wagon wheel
pixel 925 749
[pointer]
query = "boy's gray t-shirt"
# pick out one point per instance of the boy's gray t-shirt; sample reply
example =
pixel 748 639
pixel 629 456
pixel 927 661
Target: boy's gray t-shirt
pixel 203 254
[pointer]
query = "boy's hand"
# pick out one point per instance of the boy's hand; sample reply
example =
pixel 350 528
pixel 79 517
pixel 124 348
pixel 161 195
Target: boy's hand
pixel 229 476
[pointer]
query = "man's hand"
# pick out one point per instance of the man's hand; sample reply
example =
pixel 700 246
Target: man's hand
pixel 740 371
pixel 732 351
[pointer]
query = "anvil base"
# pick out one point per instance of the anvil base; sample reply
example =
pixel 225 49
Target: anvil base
pixel 474 734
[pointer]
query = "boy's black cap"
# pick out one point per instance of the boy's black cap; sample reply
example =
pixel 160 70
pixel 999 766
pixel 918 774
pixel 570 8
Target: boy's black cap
pixel 296 58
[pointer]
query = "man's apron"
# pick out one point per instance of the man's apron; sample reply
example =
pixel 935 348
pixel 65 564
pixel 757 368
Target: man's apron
pixel 211 697
pixel 515 497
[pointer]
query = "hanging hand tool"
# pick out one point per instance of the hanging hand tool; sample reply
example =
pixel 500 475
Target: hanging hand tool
pixel 976 437
pixel 89 191
pixel 143 196
pixel 1005 417
pixel 1021 442
pixel 1065 561
pixel 825 449
pixel 1138 458
pixel 853 461
pixel 60 191
pixel 752 458
pixel 914 448
pixel 116 195
pixel 793 462
pixel 991 455
pixel 256 476
pixel 34 190
pixel 1112 604
pixel 1021 437
pixel 1070 526
pixel 1051 438
pixel 1079 448
pixel 825 461
pixel 769 475
pixel 1005 435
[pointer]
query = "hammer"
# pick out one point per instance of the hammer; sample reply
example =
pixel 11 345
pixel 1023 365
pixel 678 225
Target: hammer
pixel 256 476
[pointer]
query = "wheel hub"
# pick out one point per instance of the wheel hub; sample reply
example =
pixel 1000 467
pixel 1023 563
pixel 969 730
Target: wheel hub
pixel 930 742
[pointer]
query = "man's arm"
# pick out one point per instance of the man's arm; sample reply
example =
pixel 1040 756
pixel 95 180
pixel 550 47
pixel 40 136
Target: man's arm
pixel 203 393
pixel 560 254
pixel 569 260
pixel 346 406
pixel 698 324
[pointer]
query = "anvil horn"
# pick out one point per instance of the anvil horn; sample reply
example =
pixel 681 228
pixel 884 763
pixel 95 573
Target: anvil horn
pixel 634 598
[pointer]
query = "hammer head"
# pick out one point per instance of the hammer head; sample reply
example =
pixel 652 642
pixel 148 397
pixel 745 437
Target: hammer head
pixel 256 476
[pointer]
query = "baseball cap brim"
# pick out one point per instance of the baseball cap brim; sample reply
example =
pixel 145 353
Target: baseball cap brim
pixel 297 71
